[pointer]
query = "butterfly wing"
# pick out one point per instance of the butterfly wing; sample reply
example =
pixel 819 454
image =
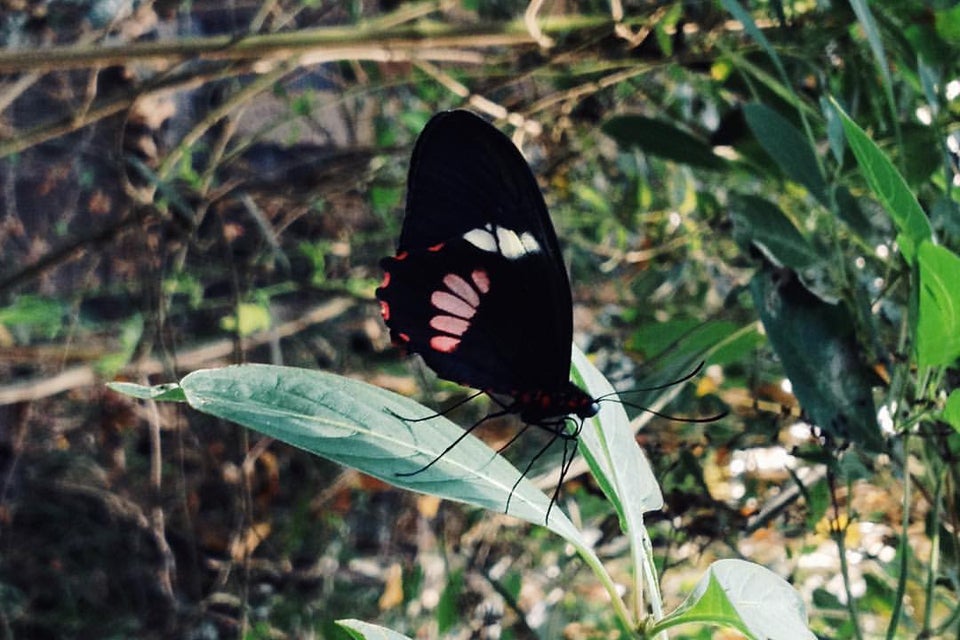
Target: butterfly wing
pixel 478 287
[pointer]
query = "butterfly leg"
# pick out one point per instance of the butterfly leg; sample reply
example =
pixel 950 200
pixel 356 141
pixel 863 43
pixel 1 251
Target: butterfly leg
pixel 439 413
pixel 559 430
pixel 459 439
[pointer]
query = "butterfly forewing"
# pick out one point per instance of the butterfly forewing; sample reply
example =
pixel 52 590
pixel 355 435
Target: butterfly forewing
pixel 478 287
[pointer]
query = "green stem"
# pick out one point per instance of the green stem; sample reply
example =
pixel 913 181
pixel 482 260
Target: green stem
pixel 904 551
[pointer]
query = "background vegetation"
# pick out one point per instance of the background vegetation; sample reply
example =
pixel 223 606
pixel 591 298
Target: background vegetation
pixel 185 186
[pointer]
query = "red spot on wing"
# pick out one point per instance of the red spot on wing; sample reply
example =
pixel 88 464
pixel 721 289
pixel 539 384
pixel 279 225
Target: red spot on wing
pixel 385 311
pixel 444 344
pixel 403 337
pixel 449 324
pixel 402 255
pixel 436 247
pixel 481 280
pixel 386 280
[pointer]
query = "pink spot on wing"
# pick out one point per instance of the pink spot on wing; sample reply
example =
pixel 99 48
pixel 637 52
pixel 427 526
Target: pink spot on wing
pixel 462 288
pixel 435 247
pixel 481 280
pixel 386 280
pixel 444 344
pixel 449 324
pixel 385 310
pixel 452 304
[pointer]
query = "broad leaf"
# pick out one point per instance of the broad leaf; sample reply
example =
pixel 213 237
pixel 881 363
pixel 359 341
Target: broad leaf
pixel 889 187
pixel 938 324
pixel 747 597
pixel 663 139
pixel 817 345
pixel 357 425
pixel 789 148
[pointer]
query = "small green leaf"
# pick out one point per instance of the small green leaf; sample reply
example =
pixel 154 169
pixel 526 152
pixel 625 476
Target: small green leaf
pixel 34 312
pixel 789 148
pixel 169 392
pixel 746 597
pixel 663 139
pixel 947 22
pixel 938 323
pixel 951 410
pixel 248 319
pixel 360 630
pixel 762 223
pixel 889 186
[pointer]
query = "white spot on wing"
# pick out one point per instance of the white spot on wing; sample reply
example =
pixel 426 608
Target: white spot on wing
pixel 482 239
pixel 504 241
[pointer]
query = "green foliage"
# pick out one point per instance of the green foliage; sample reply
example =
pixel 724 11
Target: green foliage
pixel 33 313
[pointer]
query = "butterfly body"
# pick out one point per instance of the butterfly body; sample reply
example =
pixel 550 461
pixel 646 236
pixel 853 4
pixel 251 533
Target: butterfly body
pixel 478 287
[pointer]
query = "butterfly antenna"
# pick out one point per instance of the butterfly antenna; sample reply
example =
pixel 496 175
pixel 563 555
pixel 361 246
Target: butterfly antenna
pixel 667 385
pixel 667 416
pixel 460 438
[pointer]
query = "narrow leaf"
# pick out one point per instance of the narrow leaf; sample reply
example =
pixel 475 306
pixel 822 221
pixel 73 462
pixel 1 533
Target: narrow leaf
pixel 788 148
pixel 889 187
pixel 763 224
pixel 663 139
pixel 938 324
pixel 170 392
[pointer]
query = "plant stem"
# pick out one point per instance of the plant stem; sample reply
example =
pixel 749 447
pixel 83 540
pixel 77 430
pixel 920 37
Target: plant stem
pixel 904 551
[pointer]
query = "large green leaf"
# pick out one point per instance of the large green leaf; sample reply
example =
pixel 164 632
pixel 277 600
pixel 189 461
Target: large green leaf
pixel 889 186
pixel 608 444
pixel 761 223
pixel 938 323
pixel 357 425
pixel 788 148
pixel 662 139
pixel 747 597
pixel 817 346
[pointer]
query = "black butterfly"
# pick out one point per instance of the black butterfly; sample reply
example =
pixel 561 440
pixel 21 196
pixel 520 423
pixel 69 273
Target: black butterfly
pixel 478 287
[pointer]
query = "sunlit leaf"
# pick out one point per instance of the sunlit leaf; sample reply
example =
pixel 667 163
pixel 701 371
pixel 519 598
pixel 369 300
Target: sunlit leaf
pixel 889 186
pixel 938 324
pixel 747 597
pixel 356 424
pixel 951 411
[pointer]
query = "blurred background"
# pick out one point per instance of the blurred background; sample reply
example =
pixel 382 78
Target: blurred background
pixel 193 184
